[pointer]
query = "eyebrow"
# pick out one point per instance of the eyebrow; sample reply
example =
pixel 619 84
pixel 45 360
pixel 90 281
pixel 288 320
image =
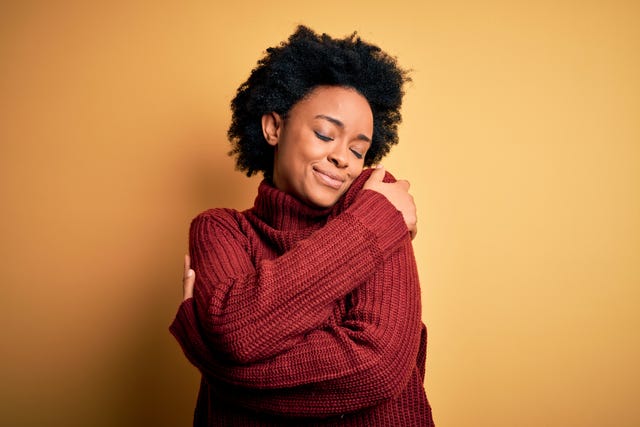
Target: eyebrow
pixel 338 123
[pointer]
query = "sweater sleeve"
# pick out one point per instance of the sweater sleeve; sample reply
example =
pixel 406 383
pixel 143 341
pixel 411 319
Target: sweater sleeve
pixel 253 312
pixel 321 364
pixel 354 361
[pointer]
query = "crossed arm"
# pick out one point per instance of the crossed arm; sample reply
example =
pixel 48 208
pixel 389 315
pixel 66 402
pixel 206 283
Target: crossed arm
pixel 277 332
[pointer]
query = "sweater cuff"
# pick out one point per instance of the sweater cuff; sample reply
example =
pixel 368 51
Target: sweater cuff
pixel 378 215
pixel 183 327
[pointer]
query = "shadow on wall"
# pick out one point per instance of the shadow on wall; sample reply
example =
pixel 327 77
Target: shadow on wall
pixel 153 383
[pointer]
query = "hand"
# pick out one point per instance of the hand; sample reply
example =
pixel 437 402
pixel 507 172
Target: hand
pixel 188 279
pixel 398 194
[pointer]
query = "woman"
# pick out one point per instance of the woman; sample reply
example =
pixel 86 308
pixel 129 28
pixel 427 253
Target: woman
pixel 305 309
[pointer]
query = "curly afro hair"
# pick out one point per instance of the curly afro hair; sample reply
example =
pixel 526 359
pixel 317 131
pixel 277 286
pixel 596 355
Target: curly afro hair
pixel 290 71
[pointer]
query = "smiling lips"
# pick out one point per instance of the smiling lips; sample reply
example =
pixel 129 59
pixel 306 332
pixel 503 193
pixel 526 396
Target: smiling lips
pixel 329 179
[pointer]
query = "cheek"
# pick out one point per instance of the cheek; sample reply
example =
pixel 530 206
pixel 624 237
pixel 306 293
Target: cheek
pixel 299 145
pixel 356 171
pixel 310 150
pixel 298 158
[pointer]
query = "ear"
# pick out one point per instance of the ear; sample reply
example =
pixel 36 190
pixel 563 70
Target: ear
pixel 271 128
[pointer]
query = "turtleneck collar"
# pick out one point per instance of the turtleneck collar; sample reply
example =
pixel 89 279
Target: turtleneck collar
pixel 284 212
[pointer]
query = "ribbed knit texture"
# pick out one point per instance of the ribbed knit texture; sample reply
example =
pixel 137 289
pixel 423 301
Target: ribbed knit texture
pixel 304 316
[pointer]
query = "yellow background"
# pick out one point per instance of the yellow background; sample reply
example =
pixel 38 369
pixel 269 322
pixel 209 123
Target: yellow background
pixel 521 139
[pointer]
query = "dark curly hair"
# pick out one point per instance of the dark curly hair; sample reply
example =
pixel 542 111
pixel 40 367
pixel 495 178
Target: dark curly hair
pixel 290 71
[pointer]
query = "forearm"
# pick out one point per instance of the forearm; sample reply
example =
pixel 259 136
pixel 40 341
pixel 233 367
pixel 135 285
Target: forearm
pixel 252 312
pixel 378 335
pixel 360 360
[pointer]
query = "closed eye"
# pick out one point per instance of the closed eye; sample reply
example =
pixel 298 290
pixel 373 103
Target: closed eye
pixel 322 137
pixel 356 153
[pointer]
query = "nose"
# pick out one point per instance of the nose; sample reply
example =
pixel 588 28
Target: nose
pixel 339 156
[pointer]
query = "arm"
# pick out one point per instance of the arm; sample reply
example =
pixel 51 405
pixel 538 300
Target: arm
pixel 241 306
pixel 355 360
pixel 352 362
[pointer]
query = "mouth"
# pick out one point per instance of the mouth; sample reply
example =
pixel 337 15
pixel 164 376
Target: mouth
pixel 330 179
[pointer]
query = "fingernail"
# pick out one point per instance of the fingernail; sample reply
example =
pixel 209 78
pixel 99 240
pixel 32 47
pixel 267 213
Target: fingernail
pixel 189 273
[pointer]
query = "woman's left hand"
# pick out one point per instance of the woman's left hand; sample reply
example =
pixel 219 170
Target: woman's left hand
pixel 188 279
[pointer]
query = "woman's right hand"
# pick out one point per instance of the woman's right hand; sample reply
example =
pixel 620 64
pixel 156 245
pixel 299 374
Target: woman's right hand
pixel 398 194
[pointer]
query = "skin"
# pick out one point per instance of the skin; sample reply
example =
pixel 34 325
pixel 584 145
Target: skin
pixel 319 152
pixel 320 147
pixel 188 279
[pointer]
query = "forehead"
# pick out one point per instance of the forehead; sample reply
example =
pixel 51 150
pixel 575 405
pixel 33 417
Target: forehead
pixel 343 103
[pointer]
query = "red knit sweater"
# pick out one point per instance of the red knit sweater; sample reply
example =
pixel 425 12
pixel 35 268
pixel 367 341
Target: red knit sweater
pixel 303 316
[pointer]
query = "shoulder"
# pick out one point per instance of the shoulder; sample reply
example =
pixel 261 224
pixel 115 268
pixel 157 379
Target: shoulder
pixel 218 219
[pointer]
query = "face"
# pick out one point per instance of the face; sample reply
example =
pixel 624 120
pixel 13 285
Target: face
pixel 320 147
